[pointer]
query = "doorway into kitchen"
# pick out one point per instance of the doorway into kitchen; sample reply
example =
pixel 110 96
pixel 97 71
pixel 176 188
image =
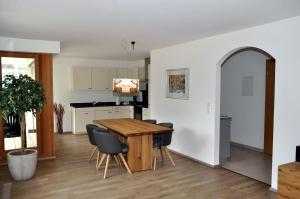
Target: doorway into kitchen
pixel 247 112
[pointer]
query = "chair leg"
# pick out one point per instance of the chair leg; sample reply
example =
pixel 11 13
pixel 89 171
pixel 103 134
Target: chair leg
pixel 106 166
pixel 161 154
pixel 92 154
pixel 124 162
pixel 102 158
pixel 154 164
pixel 117 161
pixel 98 157
pixel 169 155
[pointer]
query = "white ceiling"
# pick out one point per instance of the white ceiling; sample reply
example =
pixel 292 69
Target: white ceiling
pixel 96 28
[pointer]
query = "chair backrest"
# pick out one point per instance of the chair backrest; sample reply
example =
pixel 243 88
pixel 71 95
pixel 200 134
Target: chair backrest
pixel 166 124
pixel 166 138
pixel 12 127
pixel 107 143
pixel 150 121
pixel 90 131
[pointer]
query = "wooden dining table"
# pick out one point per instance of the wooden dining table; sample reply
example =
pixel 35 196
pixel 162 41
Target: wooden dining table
pixel 138 135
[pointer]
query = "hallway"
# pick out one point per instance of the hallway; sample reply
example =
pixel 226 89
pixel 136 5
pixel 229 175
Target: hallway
pixel 250 163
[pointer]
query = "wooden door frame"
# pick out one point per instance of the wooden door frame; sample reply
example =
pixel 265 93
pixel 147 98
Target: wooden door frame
pixel 45 129
pixel 269 106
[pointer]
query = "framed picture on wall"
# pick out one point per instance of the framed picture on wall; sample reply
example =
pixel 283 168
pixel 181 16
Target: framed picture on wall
pixel 177 83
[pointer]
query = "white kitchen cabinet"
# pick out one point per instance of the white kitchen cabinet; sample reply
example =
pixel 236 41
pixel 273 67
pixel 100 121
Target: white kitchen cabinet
pixel 81 78
pixel 126 112
pixel 98 78
pixel 82 117
pixel 146 114
pixel 141 72
pixel 123 73
pixel 116 112
pixel 129 73
pixel 135 73
pixel 103 113
pixel 101 79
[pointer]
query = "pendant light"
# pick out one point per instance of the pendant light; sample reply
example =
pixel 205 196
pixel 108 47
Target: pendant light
pixel 126 86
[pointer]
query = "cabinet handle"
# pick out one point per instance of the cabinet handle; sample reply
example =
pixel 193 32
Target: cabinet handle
pixel 89 88
pixel 86 113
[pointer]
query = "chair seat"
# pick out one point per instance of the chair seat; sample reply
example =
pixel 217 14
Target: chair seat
pixel 157 141
pixel 124 148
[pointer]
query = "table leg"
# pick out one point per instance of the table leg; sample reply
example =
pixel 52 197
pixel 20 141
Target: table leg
pixel 140 153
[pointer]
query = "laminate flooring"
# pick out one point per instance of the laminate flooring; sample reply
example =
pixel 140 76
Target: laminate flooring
pixel 70 175
pixel 250 163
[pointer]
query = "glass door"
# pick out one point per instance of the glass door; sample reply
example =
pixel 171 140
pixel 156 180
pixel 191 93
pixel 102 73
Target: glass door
pixel 16 66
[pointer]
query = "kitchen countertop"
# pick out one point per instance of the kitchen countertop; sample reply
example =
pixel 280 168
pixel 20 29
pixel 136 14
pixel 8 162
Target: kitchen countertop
pixel 103 104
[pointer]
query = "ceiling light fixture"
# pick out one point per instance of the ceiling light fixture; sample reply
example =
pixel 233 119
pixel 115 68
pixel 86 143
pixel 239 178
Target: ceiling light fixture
pixel 126 86
pixel 132 43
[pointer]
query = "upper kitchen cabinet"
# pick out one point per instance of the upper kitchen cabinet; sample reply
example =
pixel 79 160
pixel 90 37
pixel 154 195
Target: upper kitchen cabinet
pixel 129 73
pixel 101 79
pixel 82 78
pixel 141 73
pixel 98 78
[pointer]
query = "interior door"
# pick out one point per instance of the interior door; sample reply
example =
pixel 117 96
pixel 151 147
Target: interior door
pixel 269 106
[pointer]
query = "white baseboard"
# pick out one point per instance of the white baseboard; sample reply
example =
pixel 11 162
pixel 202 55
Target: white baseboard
pixel 247 147
pixel 199 161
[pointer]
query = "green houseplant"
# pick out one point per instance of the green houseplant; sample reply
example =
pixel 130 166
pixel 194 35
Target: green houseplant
pixel 20 95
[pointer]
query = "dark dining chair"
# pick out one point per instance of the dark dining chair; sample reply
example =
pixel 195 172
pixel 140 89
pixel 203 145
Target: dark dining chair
pixel 110 146
pixel 90 132
pixel 150 121
pixel 12 127
pixel 161 141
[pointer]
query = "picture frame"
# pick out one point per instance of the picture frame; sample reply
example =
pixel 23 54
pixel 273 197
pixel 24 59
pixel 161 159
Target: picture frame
pixel 177 83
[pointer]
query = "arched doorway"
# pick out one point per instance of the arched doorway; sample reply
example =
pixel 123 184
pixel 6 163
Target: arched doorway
pixel 247 80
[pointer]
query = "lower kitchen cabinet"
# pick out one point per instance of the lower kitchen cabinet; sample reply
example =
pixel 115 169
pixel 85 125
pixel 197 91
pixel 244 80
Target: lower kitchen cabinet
pixel 126 112
pixel 102 113
pixel 83 116
pixel 146 114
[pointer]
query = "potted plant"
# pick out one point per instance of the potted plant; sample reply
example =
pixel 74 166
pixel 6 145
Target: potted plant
pixel 20 95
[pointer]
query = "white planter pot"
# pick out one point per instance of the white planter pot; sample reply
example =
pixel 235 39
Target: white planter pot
pixel 22 167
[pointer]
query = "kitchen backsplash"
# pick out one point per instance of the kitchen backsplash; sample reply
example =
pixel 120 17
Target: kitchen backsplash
pixel 98 96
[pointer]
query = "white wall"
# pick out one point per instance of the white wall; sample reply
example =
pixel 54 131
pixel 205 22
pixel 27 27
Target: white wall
pixel 62 93
pixel 29 45
pixel 196 121
pixel 247 126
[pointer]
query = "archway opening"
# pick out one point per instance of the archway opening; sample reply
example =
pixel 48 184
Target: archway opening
pixel 247 80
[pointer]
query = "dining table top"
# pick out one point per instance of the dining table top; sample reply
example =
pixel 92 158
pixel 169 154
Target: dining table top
pixel 131 127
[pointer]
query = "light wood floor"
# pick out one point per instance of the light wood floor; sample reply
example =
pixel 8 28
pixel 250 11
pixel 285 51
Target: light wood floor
pixel 71 176
pixel 250 163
